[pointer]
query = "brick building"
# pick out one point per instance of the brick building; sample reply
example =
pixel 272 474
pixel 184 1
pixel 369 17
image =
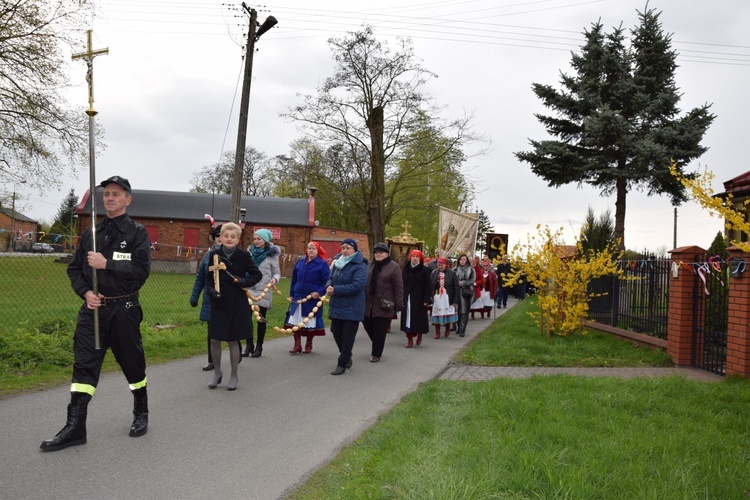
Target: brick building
pixel 178 225
pixel 23 229
pixel 739 189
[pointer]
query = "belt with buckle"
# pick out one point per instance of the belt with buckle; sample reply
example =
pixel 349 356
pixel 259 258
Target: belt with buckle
pixel 127 299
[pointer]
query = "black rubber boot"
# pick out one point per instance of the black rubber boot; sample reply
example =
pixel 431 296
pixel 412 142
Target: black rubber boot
pixel 140 412
pixel 259 345
pixel 74 432
pixel 463 320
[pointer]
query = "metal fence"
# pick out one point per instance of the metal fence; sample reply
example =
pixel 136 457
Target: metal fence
pixel 638 300
pixel 710 315
pixel 35 294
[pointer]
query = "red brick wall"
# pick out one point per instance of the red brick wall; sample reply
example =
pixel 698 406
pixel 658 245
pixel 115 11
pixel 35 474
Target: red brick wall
pixel 680 328
pixel 738 337
pixel 25 227
pixel 292 240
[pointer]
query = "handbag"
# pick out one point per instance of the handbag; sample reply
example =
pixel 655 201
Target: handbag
pixel 467 291
pixel 385 303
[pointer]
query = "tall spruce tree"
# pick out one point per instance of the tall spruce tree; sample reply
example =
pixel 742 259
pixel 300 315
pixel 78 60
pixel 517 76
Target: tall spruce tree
pixel 617 122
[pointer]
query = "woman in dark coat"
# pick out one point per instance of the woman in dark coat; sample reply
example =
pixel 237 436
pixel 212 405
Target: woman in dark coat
pixel 309 279
pixel 199 287
pixel 230 315
pixel 417 297
pixel 384 295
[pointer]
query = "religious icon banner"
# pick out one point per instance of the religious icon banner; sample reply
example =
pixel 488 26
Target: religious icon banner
pixel 457 232
pixel 497 246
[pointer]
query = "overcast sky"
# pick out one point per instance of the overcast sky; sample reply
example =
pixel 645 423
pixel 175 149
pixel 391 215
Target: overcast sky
pixel 168 92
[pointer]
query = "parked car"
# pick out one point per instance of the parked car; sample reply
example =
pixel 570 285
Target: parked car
pixel 42 248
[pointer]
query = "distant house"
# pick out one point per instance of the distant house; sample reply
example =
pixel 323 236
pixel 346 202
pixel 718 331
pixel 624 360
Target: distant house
pixel 739 189
pixel 16 230
pixel 178 226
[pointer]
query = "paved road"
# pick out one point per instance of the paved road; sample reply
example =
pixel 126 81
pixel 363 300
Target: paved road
pixel 288 417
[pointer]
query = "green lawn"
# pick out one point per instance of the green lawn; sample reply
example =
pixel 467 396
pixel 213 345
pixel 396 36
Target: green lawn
pixel 551 436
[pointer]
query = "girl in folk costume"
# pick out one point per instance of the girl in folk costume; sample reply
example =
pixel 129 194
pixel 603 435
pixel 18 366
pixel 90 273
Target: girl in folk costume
pixel 309 279
pixel 266 257
pixel 476 305
pixel 444 284
pixel 417 297
pixel 489 288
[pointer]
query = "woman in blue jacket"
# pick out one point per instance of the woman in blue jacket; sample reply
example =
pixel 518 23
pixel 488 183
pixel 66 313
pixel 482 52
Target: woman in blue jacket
pixel 309 279
pixel 346 288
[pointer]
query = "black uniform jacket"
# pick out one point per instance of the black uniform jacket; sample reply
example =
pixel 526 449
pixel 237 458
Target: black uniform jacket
pixel 128 254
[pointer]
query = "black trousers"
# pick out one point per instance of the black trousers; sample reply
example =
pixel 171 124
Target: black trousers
pixel 119 330
pixel 344 332
pixel 376 329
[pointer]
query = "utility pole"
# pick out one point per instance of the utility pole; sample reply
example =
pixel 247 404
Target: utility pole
pixel 239 154
pixel 674 238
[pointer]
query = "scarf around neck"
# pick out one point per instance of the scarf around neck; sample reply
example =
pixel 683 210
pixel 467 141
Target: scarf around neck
pixel 377 267
pixel 260 254
pixel 342 261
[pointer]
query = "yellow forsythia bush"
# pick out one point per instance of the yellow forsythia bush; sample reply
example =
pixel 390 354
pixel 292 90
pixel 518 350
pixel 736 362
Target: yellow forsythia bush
pixel 561 275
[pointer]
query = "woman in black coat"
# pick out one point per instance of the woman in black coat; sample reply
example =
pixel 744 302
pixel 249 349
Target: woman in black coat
pixel 230 315
pixel 417 298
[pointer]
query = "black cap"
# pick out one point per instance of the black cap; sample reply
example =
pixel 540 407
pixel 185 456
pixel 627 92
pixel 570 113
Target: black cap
pixel 380 247
pixel 216 232
pixel 120 181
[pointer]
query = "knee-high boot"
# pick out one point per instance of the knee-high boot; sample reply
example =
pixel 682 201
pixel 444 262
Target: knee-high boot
pixel 297 343
pixel 437 331
pixel 140 413
pixel 462 322
pixel 259 344
pixel 74 432
pixel 308 344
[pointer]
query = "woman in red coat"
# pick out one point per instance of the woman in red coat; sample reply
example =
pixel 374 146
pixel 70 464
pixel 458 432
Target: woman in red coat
pixel 476 305
pixel 489 288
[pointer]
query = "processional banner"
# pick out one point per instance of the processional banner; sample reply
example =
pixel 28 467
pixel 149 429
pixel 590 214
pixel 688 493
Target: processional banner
pixel 457 232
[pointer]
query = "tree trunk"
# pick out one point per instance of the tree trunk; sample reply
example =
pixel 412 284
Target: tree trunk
pixel 376 203
pixel 622 191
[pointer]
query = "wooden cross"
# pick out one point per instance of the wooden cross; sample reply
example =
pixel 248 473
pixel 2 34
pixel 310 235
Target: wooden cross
pixel 218 266
pixel 88 56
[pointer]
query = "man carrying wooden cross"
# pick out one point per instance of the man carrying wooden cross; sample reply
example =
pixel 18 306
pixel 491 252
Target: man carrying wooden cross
pixel 122 262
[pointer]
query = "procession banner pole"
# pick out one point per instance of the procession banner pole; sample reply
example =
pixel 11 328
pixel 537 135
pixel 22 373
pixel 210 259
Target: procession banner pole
pixel 88 56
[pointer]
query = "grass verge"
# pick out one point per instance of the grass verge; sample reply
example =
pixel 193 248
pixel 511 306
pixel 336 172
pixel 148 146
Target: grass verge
pixel 514 340
pixel 551 437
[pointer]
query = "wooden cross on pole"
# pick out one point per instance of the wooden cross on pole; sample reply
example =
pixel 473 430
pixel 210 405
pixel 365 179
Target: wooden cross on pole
pixel 88 56
pixel 218 266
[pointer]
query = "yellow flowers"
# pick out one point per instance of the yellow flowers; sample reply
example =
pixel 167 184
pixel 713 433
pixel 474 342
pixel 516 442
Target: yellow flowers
pixel 699 190
pixel 561 275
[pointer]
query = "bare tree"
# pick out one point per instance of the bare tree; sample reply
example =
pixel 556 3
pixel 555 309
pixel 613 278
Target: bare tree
pixel 370 106
pixel 39 132
pixel 257 179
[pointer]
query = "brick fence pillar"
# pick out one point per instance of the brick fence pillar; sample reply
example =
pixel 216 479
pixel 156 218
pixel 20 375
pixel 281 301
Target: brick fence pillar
pixel 680 317
pixel 738 336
